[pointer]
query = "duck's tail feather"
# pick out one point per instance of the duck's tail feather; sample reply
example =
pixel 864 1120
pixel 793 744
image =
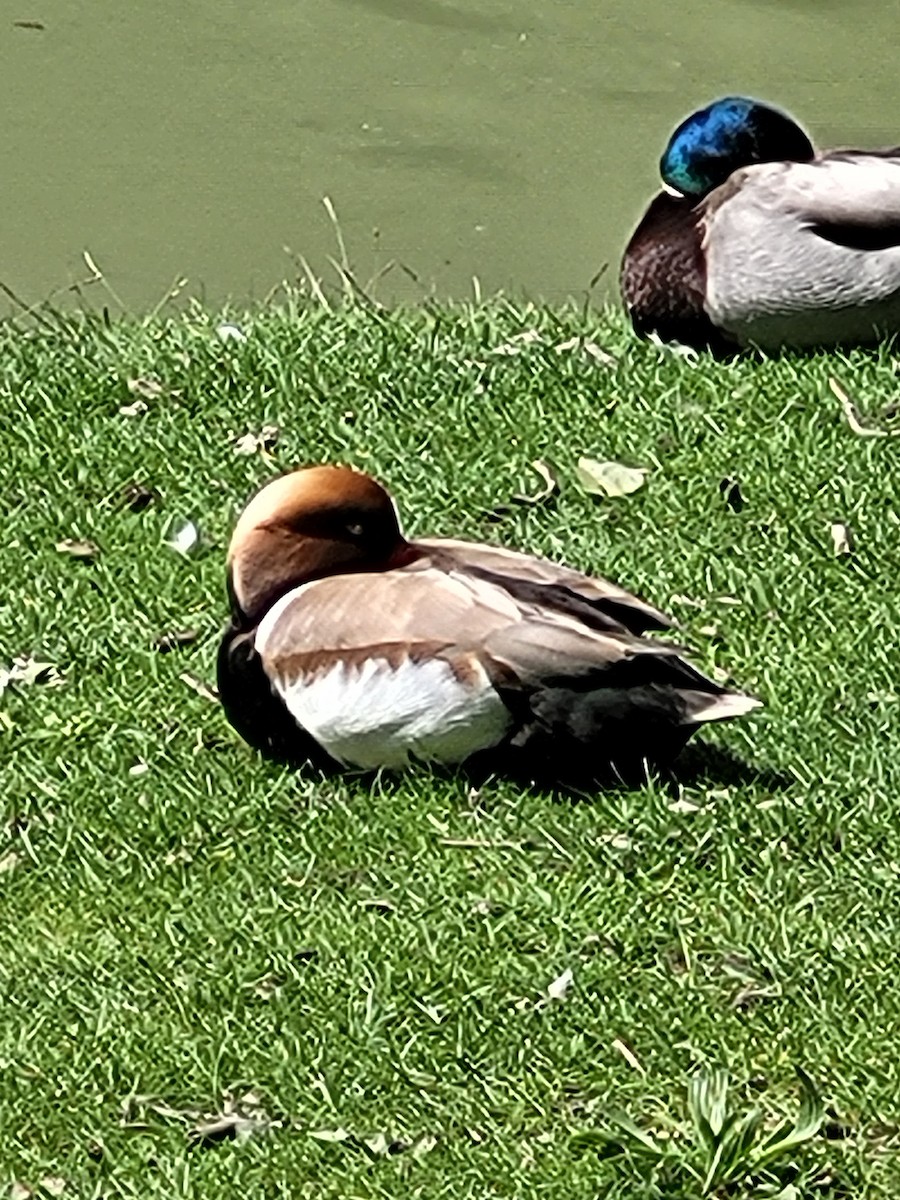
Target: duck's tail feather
pixel 702 707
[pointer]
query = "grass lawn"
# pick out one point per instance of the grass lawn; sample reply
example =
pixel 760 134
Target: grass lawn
pixel 183 923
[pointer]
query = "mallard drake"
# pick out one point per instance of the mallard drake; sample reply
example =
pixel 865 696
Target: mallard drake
pixel 351 647
pixel 757 240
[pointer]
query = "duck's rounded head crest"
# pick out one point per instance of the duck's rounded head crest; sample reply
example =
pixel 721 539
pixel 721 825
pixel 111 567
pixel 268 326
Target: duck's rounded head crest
pixel 313 522
pixel 733 132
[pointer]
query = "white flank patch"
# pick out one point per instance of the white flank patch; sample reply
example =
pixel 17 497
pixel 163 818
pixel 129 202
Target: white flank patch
pixel 375 715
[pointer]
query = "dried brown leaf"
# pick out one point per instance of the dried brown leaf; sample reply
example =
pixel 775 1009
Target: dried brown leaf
pixel 250 443
pixel 182 536
pixel 852 415
pixel 136 409
pixel 230 1126
pixel 609 478
pixel 79 548
pixel 27 671
pixel 629 1055
pixel 167 642
pixel 841 538
pixel 9 861
pixel 550 485
pixel 136 497
pixel 198 686
pixel 145 387
pixel 559 988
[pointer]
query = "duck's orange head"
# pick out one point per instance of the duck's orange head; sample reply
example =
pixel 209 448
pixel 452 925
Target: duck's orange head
pixel 314 522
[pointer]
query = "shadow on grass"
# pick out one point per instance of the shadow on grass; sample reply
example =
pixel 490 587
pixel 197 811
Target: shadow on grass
pixel 699 764
pixel 704 762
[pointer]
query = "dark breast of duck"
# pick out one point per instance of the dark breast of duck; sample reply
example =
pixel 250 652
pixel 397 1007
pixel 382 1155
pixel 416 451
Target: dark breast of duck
pixel 252 708
pixel 663 276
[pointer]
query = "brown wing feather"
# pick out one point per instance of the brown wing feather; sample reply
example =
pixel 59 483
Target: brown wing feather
pixel 424 608
pixel 401 608
pixel 595 601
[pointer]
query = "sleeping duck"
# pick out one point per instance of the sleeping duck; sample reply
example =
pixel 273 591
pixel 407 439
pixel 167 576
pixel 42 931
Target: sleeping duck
pixel 757 240
pixel 351 647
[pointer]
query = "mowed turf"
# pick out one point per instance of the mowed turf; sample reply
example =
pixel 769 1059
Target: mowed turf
pixel 183 922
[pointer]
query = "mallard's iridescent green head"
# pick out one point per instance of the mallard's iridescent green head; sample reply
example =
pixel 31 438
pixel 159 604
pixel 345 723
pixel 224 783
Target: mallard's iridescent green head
pixel 730 133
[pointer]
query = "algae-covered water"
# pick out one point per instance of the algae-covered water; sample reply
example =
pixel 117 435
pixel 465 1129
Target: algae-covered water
pixel 511 140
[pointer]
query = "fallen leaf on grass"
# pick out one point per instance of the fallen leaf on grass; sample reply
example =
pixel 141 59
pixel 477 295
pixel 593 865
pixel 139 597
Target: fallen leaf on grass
pixel 231 1126
pixel 50 1185
pixel 137 409
pixel 609 478
pixel 167 642
pixel 852 415
pixel 499 511
pixel 198 686
pixel 27 671
pixel 136 497
pixel 333 1136
pixel 550 485
pixel 424 1145
pixel 9 861
pixel 559 988
pixel 753 993
pixel 618 841
pixel 597 353
pixel 629 1055
pixel 79 548
pixel 517 342
pixel 376 1145
pixel 229 332
pixel 684 807
pixel 841 538
pixel 602 356
pixel 678 349
pixel 241 1117
pixel 145 387
pixel 250 443
pixel 183 538
pixel 379 904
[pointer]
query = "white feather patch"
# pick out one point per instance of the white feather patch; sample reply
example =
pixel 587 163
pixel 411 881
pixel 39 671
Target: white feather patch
pixel 374 715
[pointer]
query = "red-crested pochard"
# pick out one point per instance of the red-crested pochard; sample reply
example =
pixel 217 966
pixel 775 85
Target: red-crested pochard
pixel 351 647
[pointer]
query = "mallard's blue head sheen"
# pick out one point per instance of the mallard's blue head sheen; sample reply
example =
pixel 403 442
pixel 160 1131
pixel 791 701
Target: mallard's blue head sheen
pixel 730 133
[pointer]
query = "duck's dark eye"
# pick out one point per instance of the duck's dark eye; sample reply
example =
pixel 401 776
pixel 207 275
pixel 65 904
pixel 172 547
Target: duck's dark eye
pixel 355 529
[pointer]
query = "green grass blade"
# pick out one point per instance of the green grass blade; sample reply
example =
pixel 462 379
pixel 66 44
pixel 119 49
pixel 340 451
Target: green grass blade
pixel 792 1134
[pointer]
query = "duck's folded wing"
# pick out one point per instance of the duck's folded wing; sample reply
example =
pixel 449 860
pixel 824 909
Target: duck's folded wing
pixel 392 614
pixel 850 199
pixel 596 602
pixel 479 629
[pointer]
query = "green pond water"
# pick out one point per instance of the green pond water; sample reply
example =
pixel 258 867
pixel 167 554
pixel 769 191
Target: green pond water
pixel 513 141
